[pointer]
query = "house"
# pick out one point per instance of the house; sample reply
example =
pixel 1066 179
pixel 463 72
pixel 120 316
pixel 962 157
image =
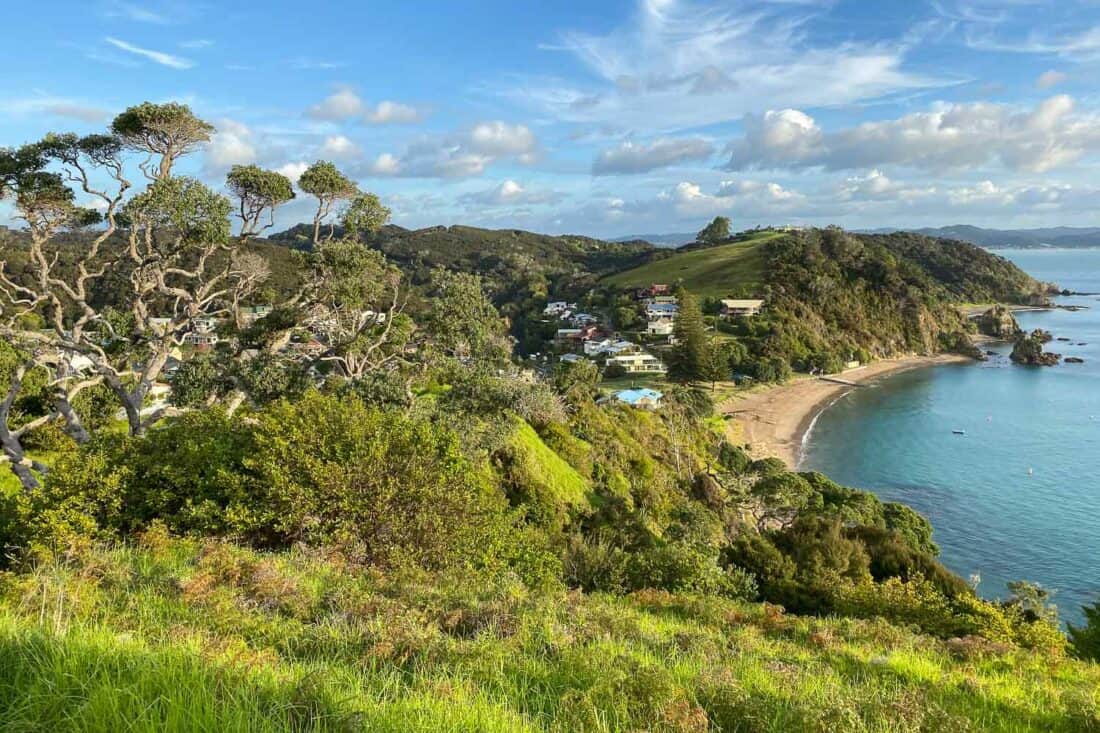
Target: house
pixel 638 362
pixel 661 327
pixel 312 348
pixel 558 309
pixel 645 398
pixel 204 324
pixel 593 347
pixel 197 338
pixel 654 311
pixel 575 336
pixel 251 314
pixel 732 307
pixel 663 299
pixel 652 291
pixel 583 319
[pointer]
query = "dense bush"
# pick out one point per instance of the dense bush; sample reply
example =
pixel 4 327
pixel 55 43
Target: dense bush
pixel 384 487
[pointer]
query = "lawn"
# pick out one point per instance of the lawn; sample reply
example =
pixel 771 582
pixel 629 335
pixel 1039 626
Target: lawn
pixel 729 269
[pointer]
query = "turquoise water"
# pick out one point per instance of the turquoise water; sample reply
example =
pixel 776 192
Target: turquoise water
pixel 1017 496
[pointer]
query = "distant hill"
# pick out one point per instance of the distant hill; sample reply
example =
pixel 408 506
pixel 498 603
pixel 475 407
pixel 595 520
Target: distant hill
pixel 708 271
pixel 1013 238
pixel 832 294
pixel 660 240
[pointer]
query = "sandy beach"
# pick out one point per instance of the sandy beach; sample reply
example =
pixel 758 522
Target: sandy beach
pixel 773 421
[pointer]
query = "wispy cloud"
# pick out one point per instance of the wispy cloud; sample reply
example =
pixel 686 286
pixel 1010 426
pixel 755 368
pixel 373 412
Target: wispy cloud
pixel 308 64
pixel 196 43
pixel 679 64
pixel 56 107
pixel 137 13
pixel 159 57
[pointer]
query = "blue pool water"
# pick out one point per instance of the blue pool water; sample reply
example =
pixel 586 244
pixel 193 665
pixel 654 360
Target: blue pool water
pixel 1017 496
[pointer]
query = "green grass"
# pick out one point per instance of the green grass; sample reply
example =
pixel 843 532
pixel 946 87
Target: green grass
pixel 554 482
pixel 181 636
pixel 729 269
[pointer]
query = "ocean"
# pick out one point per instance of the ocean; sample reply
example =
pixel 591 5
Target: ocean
pixel 1018 495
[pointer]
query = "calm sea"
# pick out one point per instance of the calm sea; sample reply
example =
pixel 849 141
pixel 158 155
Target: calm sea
pixel 1017 496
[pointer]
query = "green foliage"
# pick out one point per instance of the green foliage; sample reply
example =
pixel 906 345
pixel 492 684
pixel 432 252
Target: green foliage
pixel 364 215
pixel 325 181
pixel 464 322
pixel 169 129
pixel 1086 638
pixel 689 358
pixel 181 206
pixel 537 479
pixel 716 232
pixel 179 635
pixel 254 185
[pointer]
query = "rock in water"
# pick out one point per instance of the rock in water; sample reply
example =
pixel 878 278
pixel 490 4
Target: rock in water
pixel 1074 360
pixel 1029 349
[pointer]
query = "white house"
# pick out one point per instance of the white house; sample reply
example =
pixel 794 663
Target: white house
pixel 661 327
pixel 609 346
pixel 558 308
pixel 638 362
pixel 732 307
pixel 196 338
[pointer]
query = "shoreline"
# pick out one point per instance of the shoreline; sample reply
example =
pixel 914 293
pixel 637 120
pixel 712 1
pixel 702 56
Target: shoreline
pixel 775 421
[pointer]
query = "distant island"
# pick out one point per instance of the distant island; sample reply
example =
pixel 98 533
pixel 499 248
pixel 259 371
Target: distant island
pixel 1013 238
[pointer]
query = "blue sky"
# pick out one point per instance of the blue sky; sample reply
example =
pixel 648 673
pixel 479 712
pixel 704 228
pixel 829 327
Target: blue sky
pixel 610 117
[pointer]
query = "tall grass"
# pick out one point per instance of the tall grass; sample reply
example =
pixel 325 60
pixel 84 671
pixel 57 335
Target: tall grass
pixel 178 635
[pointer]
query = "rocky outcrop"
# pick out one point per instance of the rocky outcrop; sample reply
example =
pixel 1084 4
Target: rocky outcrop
pixel 1074 360
pixel 999 322
pixel 1029 350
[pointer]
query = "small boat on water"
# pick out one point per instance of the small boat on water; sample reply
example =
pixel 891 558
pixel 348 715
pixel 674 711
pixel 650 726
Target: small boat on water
pixel 959 432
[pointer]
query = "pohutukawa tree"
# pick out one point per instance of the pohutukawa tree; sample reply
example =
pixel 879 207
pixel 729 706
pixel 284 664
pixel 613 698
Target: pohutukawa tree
pixel 164 256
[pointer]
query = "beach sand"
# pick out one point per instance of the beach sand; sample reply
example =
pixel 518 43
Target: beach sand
pixel 774 420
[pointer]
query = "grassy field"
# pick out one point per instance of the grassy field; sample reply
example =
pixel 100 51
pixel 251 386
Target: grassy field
pixel 184 636
pixel 729 269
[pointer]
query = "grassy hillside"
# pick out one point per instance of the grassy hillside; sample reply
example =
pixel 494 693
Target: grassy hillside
pixel 736 268
pixel 177 635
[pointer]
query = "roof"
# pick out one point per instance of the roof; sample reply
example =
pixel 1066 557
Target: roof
pixel 742 303
pixel 634 396
pixel 663 307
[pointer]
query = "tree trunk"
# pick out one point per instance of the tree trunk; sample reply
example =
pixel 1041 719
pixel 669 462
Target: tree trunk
pixel 74 426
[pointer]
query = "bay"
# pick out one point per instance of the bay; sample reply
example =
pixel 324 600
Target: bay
pixel 1018 495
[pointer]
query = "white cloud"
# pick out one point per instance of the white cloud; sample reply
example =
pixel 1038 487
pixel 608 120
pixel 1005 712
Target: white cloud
pixel 462 154
pixel 231 145
pixel 510 193
pixel 385 164
pixel 294 170
pixel 500 139
pixel 1050 79
pixel 950 136
pixel 197 43
pixel 164 59
pixel 341 105
pixel 339 147
pixel 394 113
pixel 743 55
pixel 344 104
pixel 630 157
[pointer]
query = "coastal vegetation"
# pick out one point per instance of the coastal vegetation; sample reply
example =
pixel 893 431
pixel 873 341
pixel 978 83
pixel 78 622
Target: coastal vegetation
pixel 320 492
